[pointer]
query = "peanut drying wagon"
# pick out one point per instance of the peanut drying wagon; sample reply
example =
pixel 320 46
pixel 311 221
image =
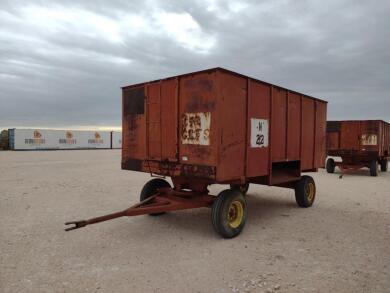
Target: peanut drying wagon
pixel 359 143
pixel 218 127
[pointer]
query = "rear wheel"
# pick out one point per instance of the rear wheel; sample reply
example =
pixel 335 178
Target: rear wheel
pixel 374 168
pixel 243 188
pixel 151 188
pixel 305 192
pixel 330 165
pixel 384 165
pixel 228 213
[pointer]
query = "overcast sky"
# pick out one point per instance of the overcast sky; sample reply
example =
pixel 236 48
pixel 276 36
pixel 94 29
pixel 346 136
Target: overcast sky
pixel 62 63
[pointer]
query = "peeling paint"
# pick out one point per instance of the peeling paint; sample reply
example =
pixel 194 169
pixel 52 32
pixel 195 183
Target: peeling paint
pixel 195 128
pixel 369 139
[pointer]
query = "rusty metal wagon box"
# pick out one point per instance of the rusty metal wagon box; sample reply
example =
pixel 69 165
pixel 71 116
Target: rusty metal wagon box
pixel 223 127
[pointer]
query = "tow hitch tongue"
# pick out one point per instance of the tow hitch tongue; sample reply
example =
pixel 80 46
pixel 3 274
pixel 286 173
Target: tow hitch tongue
pixel 165 200
pixel 77 224
pixel 131 211
pixel 83 223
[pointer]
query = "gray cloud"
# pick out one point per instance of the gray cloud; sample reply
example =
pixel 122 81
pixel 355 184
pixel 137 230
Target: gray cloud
pixel 62 64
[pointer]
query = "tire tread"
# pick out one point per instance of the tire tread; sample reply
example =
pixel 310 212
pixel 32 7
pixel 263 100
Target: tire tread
pixel 224 198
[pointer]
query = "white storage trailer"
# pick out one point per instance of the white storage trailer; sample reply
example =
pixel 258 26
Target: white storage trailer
pixel 116 139
pixel 47 139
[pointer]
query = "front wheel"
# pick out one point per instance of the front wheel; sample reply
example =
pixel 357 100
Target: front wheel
pixel 228 213
pixel 374 168
pixel 151 188
pixel 384 165
pixel 305 192
pixel 330 165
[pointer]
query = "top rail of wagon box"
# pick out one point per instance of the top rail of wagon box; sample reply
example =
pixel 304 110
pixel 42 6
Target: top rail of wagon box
pixel 368 120
pixel 225 70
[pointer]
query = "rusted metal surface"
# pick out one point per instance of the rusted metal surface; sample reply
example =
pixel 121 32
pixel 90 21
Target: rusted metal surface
pixel 320 135
pixel 369 139
pixel 171 169
pixel 279 122
pixel 222 126
pixel 198 94
pixel 308 129
pixel 195 128
pixel 259 106
pixel 165 200
pixel 360 140
pixel 169 123
pixel 232 123
pixel 293 128
pixel 133 125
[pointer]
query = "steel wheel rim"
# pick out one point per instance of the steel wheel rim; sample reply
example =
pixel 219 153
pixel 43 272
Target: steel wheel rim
pixel 310 191
pixel 235 214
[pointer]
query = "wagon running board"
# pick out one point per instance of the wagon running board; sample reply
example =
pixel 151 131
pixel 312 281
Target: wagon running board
pixel 165 200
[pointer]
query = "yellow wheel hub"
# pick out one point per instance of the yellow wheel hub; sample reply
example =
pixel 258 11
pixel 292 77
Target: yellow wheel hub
pixel 235 214
pixel 310 191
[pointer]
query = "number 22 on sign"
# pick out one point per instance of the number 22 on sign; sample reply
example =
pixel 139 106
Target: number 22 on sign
pixel 259 133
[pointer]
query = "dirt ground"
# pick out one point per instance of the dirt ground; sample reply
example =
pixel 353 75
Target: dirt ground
pixel 341 244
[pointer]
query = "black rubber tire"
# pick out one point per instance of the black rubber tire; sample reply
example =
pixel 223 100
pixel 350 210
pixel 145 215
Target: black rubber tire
pixel 220 213
pixel 330 165
pixel 374 168
pixel 243 188
pixel 302 197
pixel 384 165
pixel 150 188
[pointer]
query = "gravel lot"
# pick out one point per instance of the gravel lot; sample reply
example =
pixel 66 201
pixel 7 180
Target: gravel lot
pixel 341 244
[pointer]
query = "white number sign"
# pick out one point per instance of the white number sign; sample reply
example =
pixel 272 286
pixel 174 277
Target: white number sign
pixel 259 133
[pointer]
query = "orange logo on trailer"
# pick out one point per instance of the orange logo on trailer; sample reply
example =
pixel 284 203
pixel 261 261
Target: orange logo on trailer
pixel 68 138
pixel 37 134
pixel 36 140
pixel 98 139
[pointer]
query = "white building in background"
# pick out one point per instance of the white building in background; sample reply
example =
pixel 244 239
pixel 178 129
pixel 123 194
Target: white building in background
pixel 47 139
pixel 116 139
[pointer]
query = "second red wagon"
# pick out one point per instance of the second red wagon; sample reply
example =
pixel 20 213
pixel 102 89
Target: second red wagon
pixel 359 143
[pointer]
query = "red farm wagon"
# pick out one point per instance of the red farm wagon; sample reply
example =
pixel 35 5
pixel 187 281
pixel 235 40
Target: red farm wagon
pixel 359 143
pixel 218 127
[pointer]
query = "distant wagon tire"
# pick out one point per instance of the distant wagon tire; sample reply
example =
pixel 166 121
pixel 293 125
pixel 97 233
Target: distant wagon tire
pixel 330 165
pixel 150 188
pixel 241 187
pixel 384 165
pixel 305 192
pixel 374 168
pixel 228 213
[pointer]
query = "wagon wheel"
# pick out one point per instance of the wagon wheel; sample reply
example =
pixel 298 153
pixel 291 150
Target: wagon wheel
pixel 151 188
pixel 330 165
pixel 229 213
pixel 384 165
pixel 374 168
pixel 305 192
pixel 243 188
